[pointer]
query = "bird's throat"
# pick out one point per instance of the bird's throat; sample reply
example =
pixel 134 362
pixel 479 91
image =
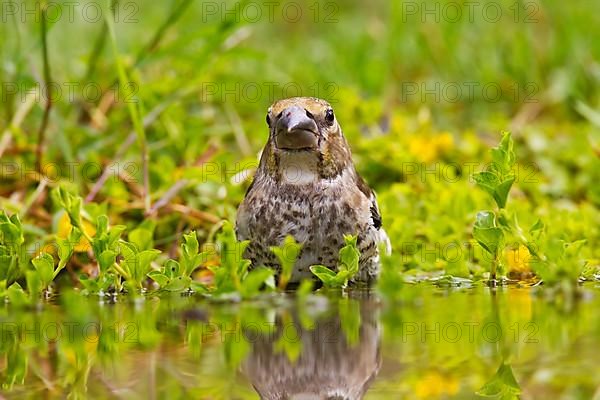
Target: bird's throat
pixel 298 168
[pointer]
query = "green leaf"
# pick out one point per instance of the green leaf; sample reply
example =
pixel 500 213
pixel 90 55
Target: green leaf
pixel 486 233
pixel 326 275
pixel 538 226
pixel 17 296
pixel 305 288
pixel 498 189
pixel 190 246
pixel 287 254
pixel 159 278
pixel 190 258
pixel 502 190
pixel 176 279
pixel 11 232
pixel 503 156
pixel 10 269
pixel 35 286
pixel 172 269
pixel 66 247
pixel 178 284
pixel 114 234
pixel 486 180
pixel 44 266
pixel 143 235
pixel 341 279
pixel 101 225
pixel 144 263
pixel 106 238
pixel 72 205
pixel 137 263
pixel 232 252
pixel 142 238
pixel 499 177
pixel 128 250
pixel 256 278
pixel 349 256
pixel 106 260
pixel 503 385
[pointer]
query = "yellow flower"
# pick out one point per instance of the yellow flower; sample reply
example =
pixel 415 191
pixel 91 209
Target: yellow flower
pixel 445 142
pixel 518 260
pixel 64 229
pixel 433 384
pixel 422 149
pixel 428 149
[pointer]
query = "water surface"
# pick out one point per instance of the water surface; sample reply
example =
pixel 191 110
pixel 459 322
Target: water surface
pixel 433 343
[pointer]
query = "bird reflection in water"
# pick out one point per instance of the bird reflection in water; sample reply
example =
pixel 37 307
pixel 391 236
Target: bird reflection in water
pixel 333 364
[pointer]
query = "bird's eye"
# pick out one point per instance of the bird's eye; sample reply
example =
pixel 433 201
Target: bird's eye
pixel 329 117
pixel 268 120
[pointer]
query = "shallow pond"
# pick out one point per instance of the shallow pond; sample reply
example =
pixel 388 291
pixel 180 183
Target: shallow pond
pixel 434 343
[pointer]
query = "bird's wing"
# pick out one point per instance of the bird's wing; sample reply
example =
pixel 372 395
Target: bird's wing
pixel 375 214
pixel 242 218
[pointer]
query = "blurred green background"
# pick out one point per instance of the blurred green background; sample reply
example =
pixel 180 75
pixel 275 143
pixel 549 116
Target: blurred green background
pixel 422 90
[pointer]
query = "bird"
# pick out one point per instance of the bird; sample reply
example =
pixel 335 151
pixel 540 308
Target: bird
pixel 306 186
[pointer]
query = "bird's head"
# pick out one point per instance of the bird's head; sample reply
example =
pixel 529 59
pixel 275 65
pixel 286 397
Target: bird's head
pixel 304 132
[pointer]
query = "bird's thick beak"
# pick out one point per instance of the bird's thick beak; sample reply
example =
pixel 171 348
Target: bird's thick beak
pixel 296 130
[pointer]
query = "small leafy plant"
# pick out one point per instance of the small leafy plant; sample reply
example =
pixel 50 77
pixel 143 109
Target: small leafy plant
pixel 499 176
pixel 106 245
pixel 347 267
pixel 553 258
pixel 496 181
pixel 503 385
pixel 13 260
pixel 233 276
pixel 559 262
pixel 177 275
pixel 16 264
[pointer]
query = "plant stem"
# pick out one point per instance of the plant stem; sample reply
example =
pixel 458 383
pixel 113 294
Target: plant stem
pixel 42 130
pixel 146 175
pixel 121 271
pixel 493 269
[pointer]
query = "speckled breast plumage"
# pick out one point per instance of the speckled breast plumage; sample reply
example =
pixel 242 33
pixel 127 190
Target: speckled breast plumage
pixel 317 215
